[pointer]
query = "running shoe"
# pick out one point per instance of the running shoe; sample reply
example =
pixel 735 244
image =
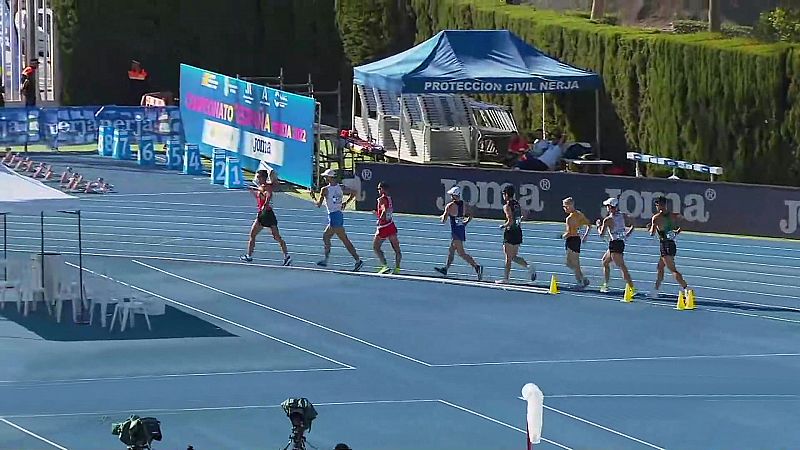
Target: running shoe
pixel 396 271
pixel 479 271
pixel 322 263
pixel 532 272
pixel 287 260
pixel 357 267
pixel 604 288
pixel 581 285
pixel 441 270
pixel 501 281
pixel 246 258
pixel 653 294
pixel 384 270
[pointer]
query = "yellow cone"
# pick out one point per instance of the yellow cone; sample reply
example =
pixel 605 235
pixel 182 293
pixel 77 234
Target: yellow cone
pixel 628 297
pixel 553 285
pixel 690 299
pixel 681 302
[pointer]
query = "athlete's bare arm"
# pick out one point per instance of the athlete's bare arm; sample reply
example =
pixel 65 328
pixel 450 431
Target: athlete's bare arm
pixel 628 224
pixel 677 218
pixel 509 216
pixel 467 215
pixel 382 208
pixel 322 194
pixel 652 226
pixel 588 229
pixel 350 196
pixel 446 212
pixel 568 222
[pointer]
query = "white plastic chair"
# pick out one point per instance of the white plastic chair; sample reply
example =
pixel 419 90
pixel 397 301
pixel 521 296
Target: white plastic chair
pixel 127 310
pixel 68 291
pixel 32 288
pixel 109 293
pixel 11 284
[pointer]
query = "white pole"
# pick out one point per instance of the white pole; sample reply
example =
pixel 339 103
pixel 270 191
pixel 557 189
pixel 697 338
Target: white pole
pixel 402 116
pixel 597 120
pixel 544 115
pixel 353 109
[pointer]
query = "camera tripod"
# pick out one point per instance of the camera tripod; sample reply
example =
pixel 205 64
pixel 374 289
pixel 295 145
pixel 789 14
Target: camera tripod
pixel 296 444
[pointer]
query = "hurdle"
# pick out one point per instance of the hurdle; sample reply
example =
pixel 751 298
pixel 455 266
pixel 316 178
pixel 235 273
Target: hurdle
pixel 711 171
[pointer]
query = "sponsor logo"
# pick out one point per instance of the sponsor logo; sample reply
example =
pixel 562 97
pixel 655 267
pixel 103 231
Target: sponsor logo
pixel 209 80
pixel 489 194
pixel 263 148
pixel 248 93
pixel 789 225
pixel 231 86
pixel 220 135
pixel 281 100
pixel 366 174
pixel 640 204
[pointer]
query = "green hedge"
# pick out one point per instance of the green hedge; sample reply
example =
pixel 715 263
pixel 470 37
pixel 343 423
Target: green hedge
pixel 249 37
pixel 699 97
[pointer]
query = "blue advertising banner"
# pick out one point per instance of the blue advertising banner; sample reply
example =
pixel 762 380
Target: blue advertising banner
pixel 78 125
pixel 257 122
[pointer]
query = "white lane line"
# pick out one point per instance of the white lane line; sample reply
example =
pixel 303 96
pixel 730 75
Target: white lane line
pixel 603 427
pixel 544 236
pixel 284 313
pixel 408 218
pixel 208 408
pixel 303 232
pixel 92 199
pixel 681 396
pixel 498 422
pixel 32 434
pixel 432 279
pixel 222 319
pixel 628 359
pixel 67 381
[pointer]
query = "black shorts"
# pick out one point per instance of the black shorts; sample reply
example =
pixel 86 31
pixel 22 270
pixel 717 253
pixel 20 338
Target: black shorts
pixel 573 243
pixel 267 218
pixel 668 248
pixel 513 236
pixel 617 246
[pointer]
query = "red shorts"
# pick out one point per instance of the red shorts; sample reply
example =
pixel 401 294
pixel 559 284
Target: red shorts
pixel 387 231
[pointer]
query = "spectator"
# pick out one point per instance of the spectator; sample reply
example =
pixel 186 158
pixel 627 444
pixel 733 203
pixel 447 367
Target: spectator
pixel 539 143
pixel 28 89
pixel 138 83
pixel 517 148
pixel 549 160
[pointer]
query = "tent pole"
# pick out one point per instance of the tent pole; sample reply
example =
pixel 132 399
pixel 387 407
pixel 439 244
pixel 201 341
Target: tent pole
pixel 597 120
pixel 402 116
pixel 41 229
pixel 353 109
pixel 80 263
pixel 544 115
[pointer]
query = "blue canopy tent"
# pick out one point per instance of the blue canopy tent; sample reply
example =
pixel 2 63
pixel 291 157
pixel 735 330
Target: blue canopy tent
pixel 474 62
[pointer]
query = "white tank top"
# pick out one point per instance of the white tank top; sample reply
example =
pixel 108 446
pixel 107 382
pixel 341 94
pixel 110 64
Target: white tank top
pixel 617 232
pixel 333 201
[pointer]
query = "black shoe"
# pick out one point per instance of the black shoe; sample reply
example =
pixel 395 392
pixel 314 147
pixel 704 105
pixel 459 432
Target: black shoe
pixel 479 271
pixel 441 270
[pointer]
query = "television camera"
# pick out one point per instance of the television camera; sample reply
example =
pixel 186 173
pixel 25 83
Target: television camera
pixel 138 433
pixel 301 413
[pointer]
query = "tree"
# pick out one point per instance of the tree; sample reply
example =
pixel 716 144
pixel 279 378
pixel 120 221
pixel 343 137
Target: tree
pixel 598 9
pixel 714 16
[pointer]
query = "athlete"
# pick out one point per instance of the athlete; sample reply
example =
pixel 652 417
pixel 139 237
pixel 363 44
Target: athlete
pixel 573 240
pixel 619 227
pixel 512 235
pixel 459 216
pixel 265 218
pixel 332 195
pixel 386 230
pixel 664 223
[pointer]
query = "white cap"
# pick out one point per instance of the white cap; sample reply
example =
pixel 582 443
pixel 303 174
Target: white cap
pixel 455 190
pixel 329 173
pixel 612 202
